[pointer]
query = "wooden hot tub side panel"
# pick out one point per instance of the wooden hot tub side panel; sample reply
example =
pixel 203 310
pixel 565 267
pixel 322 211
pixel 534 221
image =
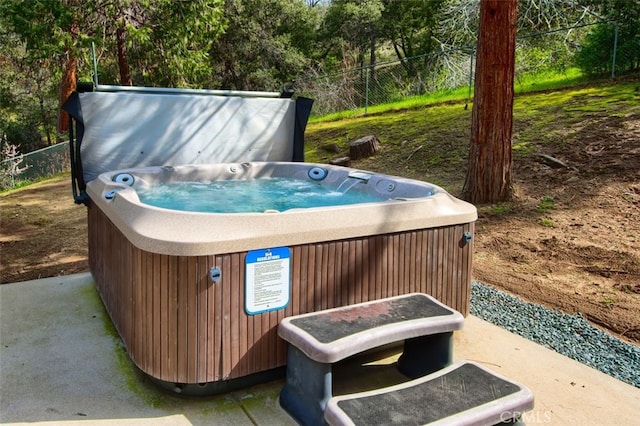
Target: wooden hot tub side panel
pixel 180 327
pixel 111 261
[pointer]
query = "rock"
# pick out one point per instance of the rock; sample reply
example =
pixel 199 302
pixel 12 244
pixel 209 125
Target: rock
pixel 342 161
pixel 330 147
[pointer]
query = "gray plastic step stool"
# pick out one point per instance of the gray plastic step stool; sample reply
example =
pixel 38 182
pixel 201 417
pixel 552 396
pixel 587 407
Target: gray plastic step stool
pixel 319 339
pixel 461 394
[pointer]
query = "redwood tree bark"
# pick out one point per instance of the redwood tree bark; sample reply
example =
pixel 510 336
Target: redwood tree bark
pixel 489 170
pixel 123 61
pixel 68 83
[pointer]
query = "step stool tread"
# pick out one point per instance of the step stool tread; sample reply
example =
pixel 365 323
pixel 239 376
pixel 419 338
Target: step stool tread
pixel 463 393
pixel 334 334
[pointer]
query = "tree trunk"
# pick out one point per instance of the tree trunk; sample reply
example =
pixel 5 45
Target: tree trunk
pixel 43 112
pixel 364 147
pixel 69 79
pixel 489 170
pixel 123 61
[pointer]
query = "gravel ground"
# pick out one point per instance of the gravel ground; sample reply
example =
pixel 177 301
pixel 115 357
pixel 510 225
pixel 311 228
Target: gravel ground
pixel 569 335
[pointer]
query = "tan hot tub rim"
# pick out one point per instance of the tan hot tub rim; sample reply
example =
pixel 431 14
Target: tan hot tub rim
pixel 184 233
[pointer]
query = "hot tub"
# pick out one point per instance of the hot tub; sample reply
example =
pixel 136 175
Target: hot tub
pixel 197 296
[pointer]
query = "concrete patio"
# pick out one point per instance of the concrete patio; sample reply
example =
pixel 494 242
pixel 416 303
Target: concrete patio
pixel 61 362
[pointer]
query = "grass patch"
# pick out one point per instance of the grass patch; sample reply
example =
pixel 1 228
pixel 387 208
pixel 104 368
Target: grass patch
pixel 442 131
pixel 427 143
pixel 546 204
pixel 458 95
pixel 549 80
pixel 21 183
pixel 545 81
pixel 499 209
pixel 546 222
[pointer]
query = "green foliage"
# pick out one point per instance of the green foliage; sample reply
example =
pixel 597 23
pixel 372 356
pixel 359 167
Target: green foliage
pixel 410 26
pixel 28 86
pixel 596 55
pixel 43 25
pixel 546 222
pixel 352 29
pixel 546 204
pixel 184 34
pixel 24 134
pixel 499 209
pixel 353 21
pixel 266 44
pixel 167 42
pixel 545 53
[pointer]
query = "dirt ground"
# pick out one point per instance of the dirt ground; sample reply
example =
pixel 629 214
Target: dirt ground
pixel 575 248
pixel 42 232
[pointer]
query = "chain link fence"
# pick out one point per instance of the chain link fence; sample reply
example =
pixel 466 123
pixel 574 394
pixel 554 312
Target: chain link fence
pixel 34 165
pixel 537 55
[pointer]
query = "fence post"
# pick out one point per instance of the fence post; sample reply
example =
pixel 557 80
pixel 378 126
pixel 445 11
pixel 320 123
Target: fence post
pixel 366 90
pixel 615 50
pixel 471 55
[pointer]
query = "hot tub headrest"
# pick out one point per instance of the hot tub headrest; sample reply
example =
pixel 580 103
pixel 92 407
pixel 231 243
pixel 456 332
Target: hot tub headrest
pixel 140 127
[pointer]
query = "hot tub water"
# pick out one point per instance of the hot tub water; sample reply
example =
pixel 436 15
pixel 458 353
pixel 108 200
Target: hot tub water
pixel 250 196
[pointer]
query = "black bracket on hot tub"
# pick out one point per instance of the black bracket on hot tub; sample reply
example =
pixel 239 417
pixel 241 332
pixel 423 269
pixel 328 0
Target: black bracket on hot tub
pixel 303 111
pixel 72 106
